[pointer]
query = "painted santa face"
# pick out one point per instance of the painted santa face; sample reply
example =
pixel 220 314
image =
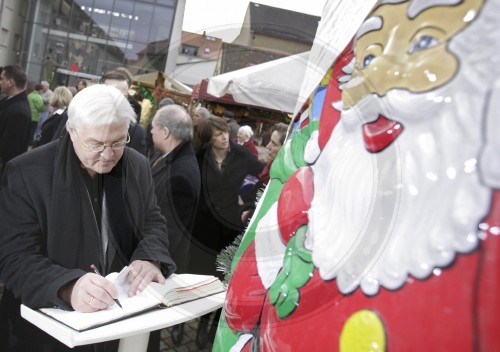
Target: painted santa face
pixel 405 47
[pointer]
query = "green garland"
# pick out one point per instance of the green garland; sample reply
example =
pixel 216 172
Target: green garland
pixel 148 95
pixel 225 258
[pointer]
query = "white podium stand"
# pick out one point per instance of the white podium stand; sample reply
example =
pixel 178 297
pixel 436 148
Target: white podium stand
pixel 133 332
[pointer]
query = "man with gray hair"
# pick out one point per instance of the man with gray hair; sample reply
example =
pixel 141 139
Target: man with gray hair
pixel 200 114
pixel 90 201
pixel 176 176
pixel 177 182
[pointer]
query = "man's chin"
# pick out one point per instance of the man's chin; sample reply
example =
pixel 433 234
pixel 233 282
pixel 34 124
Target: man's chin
pixel 104 167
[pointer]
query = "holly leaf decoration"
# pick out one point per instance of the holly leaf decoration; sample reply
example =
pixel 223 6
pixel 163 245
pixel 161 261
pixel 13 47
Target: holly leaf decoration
pixel 296 272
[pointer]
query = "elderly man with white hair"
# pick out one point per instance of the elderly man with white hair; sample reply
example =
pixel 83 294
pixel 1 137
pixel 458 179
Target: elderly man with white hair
pixel 90 200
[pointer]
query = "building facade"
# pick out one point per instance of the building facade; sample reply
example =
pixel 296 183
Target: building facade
pixel 197 57
pixel 277 30
pixel 64 40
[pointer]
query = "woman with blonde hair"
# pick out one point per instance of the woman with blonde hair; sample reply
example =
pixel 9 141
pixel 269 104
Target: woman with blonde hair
pixel 59 101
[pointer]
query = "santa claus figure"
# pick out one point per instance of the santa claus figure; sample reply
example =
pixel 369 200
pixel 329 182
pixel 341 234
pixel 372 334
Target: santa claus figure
pixel 386 236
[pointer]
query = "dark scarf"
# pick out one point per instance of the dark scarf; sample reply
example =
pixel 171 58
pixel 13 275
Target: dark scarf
pixel 73 234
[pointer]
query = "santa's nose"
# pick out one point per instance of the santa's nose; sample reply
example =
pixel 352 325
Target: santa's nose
pixel 384 73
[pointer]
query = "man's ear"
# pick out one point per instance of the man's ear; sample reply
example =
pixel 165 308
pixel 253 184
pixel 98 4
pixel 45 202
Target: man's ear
pixel 70 130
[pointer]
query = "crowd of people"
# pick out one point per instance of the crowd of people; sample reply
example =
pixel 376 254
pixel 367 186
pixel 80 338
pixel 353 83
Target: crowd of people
pixel 85 181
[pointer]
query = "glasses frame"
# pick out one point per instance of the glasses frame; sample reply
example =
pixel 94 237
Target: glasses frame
pixel 103 146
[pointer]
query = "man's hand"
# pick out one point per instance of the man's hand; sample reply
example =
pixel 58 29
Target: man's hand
pixel 90 293
pixel 141 274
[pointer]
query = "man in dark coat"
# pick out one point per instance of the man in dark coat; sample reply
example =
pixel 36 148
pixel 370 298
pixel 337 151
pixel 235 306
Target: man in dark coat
pixel 15 114
pixel 177 182
pixel 176 177
pixel 83 199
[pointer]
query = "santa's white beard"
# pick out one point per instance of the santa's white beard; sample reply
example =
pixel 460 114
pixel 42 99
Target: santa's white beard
pixel 376 218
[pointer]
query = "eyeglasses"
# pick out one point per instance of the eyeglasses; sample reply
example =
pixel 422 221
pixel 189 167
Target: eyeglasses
pixel 99 147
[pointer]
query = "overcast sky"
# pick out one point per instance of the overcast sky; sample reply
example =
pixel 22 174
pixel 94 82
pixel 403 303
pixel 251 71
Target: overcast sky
pixel 223 18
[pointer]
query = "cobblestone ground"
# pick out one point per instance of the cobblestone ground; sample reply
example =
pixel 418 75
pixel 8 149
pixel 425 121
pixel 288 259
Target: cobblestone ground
pixel 188 342
pixel 167 345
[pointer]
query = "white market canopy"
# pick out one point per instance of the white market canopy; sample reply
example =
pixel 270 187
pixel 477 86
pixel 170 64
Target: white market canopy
pixel 273 85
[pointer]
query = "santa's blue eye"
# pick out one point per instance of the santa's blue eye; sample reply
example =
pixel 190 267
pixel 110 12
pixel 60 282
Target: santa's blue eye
pixel 367 60
pixel 422 43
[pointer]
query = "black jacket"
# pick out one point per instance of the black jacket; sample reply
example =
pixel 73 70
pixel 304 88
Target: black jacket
pixel 49 235
pixel 50 126
pixel 15 127
pixel 218 220
pixel 177 189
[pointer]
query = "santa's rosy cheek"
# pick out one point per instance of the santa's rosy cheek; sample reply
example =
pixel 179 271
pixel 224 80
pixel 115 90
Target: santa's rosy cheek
pixel 294 202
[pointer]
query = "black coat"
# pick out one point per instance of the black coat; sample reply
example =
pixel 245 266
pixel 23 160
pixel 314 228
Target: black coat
pixel 137 138
pixel 49 235
pixel 50 126
pixel 218 220
pixel 177 188
pixel 15 127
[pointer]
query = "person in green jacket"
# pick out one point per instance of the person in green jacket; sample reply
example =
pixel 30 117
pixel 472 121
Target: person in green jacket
pixel 37 106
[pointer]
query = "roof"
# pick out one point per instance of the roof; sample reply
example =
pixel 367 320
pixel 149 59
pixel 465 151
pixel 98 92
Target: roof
pixel 235 57
pixel 282 23
pixel 200 92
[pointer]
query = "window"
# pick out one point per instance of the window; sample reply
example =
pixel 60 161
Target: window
pixel 17 42
pixel 23 8
pixel 189 50
pixel 4 37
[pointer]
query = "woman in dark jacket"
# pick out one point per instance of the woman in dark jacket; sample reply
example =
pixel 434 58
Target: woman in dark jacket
pixel 223 167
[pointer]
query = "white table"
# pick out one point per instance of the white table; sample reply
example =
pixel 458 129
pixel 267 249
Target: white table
pixel 133 332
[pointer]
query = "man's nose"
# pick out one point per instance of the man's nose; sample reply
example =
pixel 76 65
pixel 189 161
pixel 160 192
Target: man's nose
pixel 107 152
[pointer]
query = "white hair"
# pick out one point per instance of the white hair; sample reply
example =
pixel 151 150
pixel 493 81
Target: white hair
pixel 100 105
pixel 247 130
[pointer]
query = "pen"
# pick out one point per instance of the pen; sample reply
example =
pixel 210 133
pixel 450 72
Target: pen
pixel 93 267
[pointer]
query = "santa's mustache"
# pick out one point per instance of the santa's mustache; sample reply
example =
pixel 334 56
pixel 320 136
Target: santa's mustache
pixel 422 204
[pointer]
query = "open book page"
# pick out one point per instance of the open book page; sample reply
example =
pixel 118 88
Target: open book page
pixel 79 321
pixel 182 288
